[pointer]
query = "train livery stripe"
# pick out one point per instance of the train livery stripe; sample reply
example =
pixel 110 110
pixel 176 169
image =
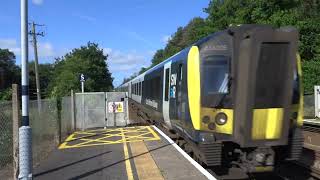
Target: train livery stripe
pixel 300 110
pixel 194 96
pixel 267 123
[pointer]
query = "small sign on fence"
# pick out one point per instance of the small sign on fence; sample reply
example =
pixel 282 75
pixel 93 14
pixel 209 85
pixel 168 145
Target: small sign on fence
pixel 115 107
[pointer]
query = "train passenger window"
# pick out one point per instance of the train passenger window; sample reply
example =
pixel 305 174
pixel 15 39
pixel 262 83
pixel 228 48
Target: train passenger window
pixel 140 85
pixel 180 72
pixel 166 90
pixel 215 74
pixel 135 88
pixel 138 88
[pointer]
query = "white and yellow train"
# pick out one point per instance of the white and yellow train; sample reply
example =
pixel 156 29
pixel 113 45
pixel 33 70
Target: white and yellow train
pixel 234 97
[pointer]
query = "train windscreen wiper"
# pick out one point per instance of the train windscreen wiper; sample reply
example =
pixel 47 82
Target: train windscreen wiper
pixel 221 97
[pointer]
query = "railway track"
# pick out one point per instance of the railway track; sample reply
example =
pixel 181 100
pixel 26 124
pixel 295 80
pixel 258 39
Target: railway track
pixel 311 152
pixel 308 167
pixel 233 173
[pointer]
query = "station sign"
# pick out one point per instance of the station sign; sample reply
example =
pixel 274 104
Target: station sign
pixel 82 78
pixel 115 107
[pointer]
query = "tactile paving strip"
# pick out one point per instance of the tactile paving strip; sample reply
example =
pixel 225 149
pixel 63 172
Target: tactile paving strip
pixel 109 136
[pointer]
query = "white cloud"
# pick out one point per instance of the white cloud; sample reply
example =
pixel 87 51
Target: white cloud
pixel 166 38
pixel 118 60
pixel 85 17
pixel 10 44
pixel 45 50
pixel 37 2
pixel 124 64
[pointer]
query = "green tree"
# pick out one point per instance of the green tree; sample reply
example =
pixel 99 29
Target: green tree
pixel 302 14
pixel 143 69
pixel 45 77
pixel 89 60
pixel 182 38
pixel 9 73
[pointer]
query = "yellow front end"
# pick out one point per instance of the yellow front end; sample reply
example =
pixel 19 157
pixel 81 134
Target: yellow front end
pixel 194 95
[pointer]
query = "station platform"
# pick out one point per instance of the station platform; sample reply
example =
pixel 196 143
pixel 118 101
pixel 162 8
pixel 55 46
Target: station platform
pixel 133 153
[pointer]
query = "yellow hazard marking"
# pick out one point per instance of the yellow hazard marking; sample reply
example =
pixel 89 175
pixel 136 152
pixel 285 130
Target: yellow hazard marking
pixel 126 157
pixel 144 163
pixel 109 136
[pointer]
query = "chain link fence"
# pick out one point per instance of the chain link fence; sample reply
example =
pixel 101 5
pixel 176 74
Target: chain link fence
pixel 308 106
pixel 67 125
pixel 50 123
pixel 6 158
pixel 45 128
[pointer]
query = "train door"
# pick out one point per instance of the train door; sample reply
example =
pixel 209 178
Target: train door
pixel 166 93
pixel 175 95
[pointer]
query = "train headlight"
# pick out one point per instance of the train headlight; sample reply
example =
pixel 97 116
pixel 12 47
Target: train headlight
pixel 206 119
pixel 212 126
pixel 221 118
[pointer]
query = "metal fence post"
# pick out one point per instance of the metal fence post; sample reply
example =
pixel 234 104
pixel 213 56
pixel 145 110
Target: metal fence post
pixel 317 101
pixel 58 104
pixel 73 116
pixel 25 131
pixel 15 129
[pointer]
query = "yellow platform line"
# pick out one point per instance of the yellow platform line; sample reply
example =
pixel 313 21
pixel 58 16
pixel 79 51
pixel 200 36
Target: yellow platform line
pixel 127 161
pixel 144 163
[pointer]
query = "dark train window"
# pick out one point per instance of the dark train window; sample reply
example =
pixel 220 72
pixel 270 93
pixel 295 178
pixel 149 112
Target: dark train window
pixel 166 90
pixel 215 74
pixel 140 87
pixel 180 72
pixel 271 75
pixel 136 88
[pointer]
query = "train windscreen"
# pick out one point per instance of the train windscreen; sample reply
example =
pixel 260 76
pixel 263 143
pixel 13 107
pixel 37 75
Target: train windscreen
pixel 271 75
pixel 215 72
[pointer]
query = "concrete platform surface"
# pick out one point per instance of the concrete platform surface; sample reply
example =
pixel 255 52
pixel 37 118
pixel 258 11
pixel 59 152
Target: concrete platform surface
pixel 118 154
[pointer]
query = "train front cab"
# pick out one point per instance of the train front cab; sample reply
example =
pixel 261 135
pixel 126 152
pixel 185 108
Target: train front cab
pixel 251 111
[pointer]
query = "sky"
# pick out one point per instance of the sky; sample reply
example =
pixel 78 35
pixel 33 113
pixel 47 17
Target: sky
pixel 129 31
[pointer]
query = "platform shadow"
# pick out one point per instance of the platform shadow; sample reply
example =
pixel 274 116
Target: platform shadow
pixel 70 164
pixel 115 163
